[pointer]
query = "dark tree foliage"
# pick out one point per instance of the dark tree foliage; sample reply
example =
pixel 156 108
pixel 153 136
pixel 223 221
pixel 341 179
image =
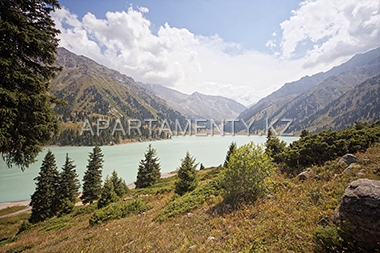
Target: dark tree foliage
pixel 92 179
pixel 304 133
pixel 201 167
pixel 187 176
pixel 28 45
pixel 328 145
pixel 149 169
pixel 231 149
pixel 274 147
pixel 108 194
pixel 44 199
pixel 68 186
pixel 119 184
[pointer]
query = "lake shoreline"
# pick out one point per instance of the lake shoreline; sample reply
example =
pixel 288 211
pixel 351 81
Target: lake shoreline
pixel 4 205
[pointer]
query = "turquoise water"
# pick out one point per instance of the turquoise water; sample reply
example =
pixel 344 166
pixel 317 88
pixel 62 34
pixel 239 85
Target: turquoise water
pixel 16 185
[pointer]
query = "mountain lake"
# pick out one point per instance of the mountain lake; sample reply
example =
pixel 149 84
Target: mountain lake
pixel 16 185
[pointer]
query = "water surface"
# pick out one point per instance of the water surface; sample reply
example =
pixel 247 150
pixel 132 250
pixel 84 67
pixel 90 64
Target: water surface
pixel 16 185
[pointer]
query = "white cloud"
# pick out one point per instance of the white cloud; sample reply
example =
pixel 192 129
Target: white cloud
pixel 334 28
pixel 187 62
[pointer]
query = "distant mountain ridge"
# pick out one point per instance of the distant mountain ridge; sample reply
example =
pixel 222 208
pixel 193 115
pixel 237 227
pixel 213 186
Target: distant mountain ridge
pixel 198 105
pixel 301 99
pixel 93 89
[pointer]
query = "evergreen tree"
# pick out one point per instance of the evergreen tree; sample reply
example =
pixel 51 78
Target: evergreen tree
pixel 68 186
pixel 187 175
pixel 274 147
pixel 201 167
pixel 92 179
pixel 28 45
pixel 149 169
pixel 119 184
pixel 231 149
pixel 44 199
pixel 108 194
pixel 304 133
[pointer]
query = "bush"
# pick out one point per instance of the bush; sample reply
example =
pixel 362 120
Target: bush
pixel 81 210
pixel 190 200
pixel 333 239
pixel 243 179
pixel 327 145
pixel 118 210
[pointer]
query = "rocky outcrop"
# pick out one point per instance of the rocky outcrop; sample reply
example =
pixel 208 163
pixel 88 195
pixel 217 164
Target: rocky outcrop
pixel 359 211
pixel 348 159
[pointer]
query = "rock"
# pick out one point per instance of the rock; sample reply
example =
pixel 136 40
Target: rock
pixel 210 238
pixel 188 215
pixel 227 208
pixel 352 165
pixel 216 211
pixel 305 174
pixel 359 211
pixel 348 159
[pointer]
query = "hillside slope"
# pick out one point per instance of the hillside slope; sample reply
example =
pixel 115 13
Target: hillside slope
pixel 362 103
pixel 92 89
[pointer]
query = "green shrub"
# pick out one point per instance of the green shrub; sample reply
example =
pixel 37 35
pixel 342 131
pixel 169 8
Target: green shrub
pixel 84 209
pixel 119 210
pixel 190 200
pixel 327 239
pixel 327 145
pixel 243 179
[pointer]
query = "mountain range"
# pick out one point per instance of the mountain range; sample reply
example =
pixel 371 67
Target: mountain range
pixel 306 100
pixel 197 105
pixel 327 100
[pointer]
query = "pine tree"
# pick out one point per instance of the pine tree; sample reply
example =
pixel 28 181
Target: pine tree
pixel 201 167
pixel 108 194
pixel 187 175
pixel 92 179
pixel 68 186
pixel 118 184
pixel 274 147
pixel 28 45
pixel 44 199
pixel 231 149
pixel 149 169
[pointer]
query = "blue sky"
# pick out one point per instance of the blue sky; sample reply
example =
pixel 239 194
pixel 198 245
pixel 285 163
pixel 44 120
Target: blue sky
pixel 239 49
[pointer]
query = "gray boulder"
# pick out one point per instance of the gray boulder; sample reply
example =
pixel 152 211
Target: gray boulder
pixel 352 165
pixel 348 159
pixel 359 211
pixel 305 174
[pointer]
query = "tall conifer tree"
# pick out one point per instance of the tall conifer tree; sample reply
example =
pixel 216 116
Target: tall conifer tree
pixel 231 149
pixel 44 199
pixel 149 169
pixel 92 179
pixel 28 45
pixel 187 175
pixel 68 186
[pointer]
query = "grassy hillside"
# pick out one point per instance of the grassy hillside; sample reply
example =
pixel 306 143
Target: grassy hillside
pixel 286 219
